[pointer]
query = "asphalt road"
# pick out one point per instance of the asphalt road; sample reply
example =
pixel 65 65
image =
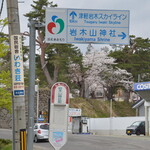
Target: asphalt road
pixel 94 142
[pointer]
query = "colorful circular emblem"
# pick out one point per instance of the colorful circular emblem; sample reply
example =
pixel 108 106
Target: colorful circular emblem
pixel 54 24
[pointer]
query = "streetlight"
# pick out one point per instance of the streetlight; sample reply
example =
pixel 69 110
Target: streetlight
pixel 37 104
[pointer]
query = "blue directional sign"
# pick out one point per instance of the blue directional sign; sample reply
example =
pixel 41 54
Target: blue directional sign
pixel 87 26
pixel 40 119
pixel 142 86
pixel 18 92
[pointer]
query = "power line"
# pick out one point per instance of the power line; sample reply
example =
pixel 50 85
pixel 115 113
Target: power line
pixel 1 7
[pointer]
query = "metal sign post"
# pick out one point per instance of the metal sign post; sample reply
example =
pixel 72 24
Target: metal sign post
pixel 59 115
pixel 87 26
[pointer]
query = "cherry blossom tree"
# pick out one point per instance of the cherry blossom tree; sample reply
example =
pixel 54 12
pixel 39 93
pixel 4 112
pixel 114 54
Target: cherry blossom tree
pixel 99 73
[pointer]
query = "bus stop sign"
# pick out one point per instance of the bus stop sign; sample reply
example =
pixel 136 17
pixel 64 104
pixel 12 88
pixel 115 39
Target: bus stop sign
pixel 59 115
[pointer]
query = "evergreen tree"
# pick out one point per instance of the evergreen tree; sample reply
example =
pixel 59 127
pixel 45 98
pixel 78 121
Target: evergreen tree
pixel 135 58
pixel 53 58
pixel 5 79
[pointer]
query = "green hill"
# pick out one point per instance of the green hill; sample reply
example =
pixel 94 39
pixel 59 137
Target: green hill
pixel 100 109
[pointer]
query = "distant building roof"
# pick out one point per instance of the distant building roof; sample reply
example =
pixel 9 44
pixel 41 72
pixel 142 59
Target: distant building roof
pixel 138 103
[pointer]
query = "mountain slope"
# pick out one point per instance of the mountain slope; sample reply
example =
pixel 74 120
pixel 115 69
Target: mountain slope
pixel 99 109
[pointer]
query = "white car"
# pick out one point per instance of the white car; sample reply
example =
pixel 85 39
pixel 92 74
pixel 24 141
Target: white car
pixel 41 131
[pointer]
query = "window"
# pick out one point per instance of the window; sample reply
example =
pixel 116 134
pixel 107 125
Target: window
pixel 45 126
pixel 35 127
pixel 99 94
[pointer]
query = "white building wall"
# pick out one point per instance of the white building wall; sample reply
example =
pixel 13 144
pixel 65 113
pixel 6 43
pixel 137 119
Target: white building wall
pixel 114 125
pixel 141 110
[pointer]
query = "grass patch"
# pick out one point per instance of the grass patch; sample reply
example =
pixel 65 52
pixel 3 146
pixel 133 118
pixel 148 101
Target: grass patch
pixel 101 109
pixel 5 144
pixel 8 147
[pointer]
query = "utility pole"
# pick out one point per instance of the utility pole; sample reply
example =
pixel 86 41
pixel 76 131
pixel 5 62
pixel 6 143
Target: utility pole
pixel 18 97
pixel 31 95
pixel 13 17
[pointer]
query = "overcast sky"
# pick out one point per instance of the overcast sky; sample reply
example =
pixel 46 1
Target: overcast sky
pixel 139 13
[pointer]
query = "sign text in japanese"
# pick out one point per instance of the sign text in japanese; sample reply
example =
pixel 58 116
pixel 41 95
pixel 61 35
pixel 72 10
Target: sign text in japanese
pixel 17 65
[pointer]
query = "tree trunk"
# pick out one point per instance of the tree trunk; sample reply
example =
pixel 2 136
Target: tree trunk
pixel 81 85
pixel 43 46
pixel 44 67
pixel 109 93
